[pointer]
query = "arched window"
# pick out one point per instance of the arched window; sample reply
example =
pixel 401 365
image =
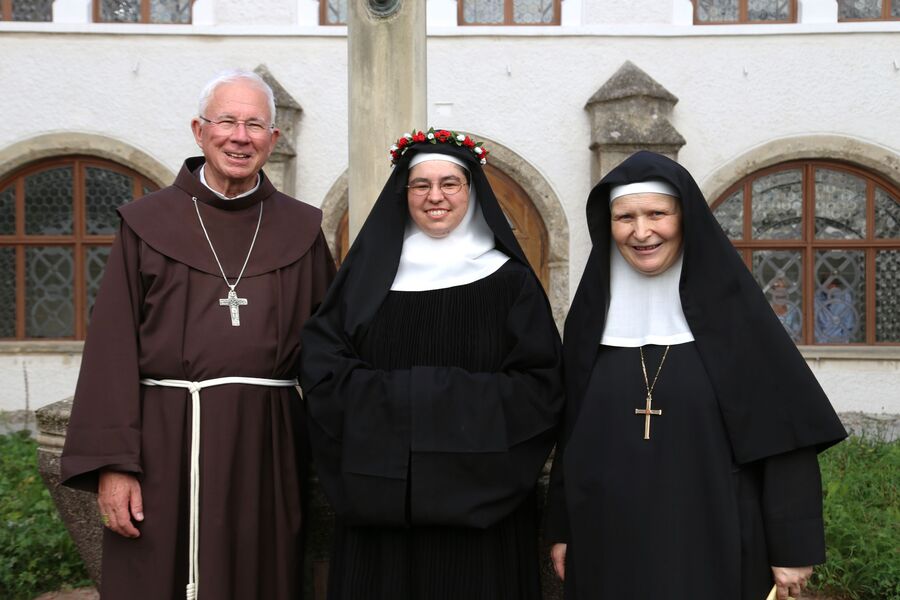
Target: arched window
pixel 523 217
pixel 823 241
pixel 57 221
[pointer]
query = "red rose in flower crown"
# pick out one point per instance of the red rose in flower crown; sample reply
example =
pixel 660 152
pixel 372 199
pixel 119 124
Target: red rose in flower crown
pixel 440 136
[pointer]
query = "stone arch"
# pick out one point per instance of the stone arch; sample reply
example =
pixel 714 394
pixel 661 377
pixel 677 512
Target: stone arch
pixel 878 159
pixel 50 145
pixel 539 191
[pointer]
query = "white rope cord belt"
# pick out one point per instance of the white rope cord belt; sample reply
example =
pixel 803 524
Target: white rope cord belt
pixel 194 388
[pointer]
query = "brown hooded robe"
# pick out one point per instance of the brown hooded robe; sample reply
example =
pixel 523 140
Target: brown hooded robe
pixel 158 315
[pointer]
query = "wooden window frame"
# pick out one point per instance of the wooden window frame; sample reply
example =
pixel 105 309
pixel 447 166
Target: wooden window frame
pixel 323 15
pixel 744 16
pixel 508 16
pixel 885 15
pixel 145 15
pixel 6 12
pixel 78 240
pixel 808 244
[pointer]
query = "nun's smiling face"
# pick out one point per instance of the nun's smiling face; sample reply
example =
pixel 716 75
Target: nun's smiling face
pixel 438 196
pixel 647 231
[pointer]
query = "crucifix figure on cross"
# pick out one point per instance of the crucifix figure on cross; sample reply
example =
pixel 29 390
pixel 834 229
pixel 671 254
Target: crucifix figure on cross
pixel 648 412
pixel 233 302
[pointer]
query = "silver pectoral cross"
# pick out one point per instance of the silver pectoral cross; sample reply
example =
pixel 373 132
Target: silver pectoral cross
pixel 233 302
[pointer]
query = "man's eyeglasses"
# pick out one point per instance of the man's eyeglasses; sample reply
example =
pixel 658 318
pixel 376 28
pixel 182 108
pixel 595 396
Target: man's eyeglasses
pixel 448 188
pixel 254 128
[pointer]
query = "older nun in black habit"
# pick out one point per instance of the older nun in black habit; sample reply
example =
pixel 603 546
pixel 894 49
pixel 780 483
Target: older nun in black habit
pixel 687 465
pixel 432 376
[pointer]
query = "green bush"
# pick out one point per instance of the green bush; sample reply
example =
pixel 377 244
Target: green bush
pixel 36 553
pixel 861 484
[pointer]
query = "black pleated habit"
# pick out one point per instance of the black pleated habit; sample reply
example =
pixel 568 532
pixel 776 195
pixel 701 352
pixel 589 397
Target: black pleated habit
pixel 455 327
pixel 431 414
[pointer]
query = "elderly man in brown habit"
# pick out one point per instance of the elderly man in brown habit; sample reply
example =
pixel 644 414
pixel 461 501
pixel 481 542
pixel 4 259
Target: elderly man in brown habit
pixel 206 290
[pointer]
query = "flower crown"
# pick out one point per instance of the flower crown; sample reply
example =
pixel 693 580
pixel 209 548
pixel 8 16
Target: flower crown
pixel 437 136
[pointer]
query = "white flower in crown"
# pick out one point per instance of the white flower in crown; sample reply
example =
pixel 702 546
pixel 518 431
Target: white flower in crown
pixel 460 137
pixel 430 136
pixel 394 148
pixel 484 161
pixel 407 135
pixel 478 150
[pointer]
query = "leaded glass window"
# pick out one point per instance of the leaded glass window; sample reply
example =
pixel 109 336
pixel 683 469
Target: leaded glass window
pixel 57 222
pixel 143 11
pixel 509 12
pixel 26 10
pixel 710 12
pixel 868 10
pixel 823 242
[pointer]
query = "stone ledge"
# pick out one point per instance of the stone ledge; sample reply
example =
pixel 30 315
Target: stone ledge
pixel 42 347
pixel 850 352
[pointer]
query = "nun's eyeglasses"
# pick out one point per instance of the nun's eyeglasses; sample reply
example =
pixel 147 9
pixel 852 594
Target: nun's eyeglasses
pixel 448 188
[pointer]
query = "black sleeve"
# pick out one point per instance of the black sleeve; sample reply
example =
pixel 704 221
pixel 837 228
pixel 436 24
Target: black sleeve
pixel 792 509
pixel 556 515
pixel 467 447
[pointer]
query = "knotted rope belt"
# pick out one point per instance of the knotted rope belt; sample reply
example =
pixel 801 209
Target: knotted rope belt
pixel 194 388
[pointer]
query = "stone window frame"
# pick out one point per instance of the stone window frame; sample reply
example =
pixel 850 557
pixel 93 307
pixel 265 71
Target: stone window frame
pixel 808 244
pixel 144 19
pixel 79 240
pixel 6 12
pixel 885 14
pixel 743 15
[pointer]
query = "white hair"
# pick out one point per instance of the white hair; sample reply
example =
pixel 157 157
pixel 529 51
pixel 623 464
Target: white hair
pixel 234 76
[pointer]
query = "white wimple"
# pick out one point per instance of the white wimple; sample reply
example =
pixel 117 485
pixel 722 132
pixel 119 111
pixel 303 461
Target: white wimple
pixel 194 387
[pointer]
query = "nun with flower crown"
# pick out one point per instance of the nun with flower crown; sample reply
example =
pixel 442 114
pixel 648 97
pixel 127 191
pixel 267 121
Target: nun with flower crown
pixel 432 378
pixel 686 468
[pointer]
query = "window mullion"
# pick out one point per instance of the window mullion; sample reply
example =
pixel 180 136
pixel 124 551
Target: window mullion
pixel 145 11
pixel 508 12
pixel 20 292
pixel 78 233
pixel 809 255
pixel 870 295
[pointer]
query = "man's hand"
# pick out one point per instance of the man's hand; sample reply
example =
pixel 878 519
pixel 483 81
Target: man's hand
pixel 558 557
pixel 119 497
pixel 790 581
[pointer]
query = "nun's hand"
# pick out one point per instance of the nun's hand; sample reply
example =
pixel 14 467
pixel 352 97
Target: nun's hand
pixel 790 581
pixel 558 558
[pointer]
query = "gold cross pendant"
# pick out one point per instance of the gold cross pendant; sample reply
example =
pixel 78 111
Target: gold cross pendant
pixel 647 412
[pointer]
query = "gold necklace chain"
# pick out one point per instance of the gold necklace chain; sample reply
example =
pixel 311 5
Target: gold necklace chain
pixel 644 369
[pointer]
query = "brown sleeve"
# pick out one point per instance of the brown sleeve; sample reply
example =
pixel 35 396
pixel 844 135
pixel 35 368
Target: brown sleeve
pixel 105 427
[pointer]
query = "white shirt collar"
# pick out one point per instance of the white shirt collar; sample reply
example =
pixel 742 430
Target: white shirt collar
pixel 223 196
